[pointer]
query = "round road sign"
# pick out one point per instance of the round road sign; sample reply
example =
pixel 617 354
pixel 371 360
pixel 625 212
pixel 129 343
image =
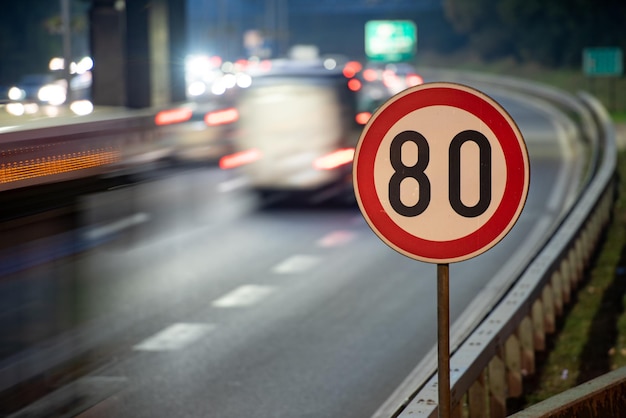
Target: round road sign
pixel 441 172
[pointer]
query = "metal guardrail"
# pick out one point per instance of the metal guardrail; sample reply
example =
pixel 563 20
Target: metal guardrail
pixel 108 142
pixel 604 396
pixel 489 365
pixel 55 150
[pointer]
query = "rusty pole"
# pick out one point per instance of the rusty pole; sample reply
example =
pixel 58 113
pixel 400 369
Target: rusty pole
pixel 443 338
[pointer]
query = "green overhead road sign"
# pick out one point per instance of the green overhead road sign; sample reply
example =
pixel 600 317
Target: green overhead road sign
pixel 603 62
pixel 390 40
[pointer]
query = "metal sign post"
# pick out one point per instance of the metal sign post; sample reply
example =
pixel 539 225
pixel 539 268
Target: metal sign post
pixel 443 338
pixel 441 174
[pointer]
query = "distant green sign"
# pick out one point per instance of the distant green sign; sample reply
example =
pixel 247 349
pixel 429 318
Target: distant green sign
pixel 603 62
pixel 390 40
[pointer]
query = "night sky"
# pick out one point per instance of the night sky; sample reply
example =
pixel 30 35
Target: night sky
pixel 335 26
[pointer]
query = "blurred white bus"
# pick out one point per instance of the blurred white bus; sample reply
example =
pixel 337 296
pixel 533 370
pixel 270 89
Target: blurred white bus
pixel 296 131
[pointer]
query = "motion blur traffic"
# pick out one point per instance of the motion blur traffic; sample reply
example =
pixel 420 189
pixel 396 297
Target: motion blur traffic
pixel 47 93
pixel 296 120
pixel 288 125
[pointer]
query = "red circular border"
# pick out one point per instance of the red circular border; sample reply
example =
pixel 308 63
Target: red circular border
pixel 515 154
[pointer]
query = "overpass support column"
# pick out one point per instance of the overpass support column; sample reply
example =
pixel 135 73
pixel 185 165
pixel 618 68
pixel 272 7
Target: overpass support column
pixel 107 29
pixel 138 48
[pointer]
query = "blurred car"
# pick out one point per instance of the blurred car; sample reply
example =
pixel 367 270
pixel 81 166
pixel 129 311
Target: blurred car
pixel 382 80
pixel 39 88
pixel 208 77
pixel 197 132
pixel 46 90
pixel 296 132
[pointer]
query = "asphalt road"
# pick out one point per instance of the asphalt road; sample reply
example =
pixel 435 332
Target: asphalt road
pixel 180 296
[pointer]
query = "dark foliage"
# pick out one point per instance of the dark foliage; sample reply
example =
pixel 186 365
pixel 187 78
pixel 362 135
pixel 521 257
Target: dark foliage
pixel 552 32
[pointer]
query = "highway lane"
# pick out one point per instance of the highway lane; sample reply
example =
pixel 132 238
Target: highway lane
pixel 197 302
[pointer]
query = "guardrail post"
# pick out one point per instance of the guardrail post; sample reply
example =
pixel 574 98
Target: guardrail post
pixel 477 397
pixel 579 259
pixel 497 387
pixel 557 293
pixel 539 324
pixel 549 310
pixel 526 337
pixel 586 247
pixel 574 267
pixel 566 284
pixel 513 359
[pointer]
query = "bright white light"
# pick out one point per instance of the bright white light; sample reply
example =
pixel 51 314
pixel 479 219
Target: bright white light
pixel 31 108
pixel 82 107
pixel 16 93
pixel 54 94
pixel 16 109
pixel 228 67
pixel 244 80
pixel 330 64
pixel 84 65
pixel 218 88
pixel 229 80
pixel 56 64
pixel 197 88
pixel 197 65
pixel 51 111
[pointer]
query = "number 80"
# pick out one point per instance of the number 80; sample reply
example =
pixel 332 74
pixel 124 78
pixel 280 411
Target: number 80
pixel 417 172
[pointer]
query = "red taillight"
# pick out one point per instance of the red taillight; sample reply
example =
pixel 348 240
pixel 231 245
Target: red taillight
pixel 351 68
pixel 265 65
pixel 239 158
pixel 414 80
pixel 221 117
pixel 362 117
pixel 241 64
pixel 370 75
pixel 354 84
pixel 168 117
pixel 334 159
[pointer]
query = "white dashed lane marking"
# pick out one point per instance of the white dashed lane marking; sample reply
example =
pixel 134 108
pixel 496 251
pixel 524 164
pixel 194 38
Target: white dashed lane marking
pixel 336 239
pixel 175 337
pixel 117 226
pixel 232 184
pixel 246 295
pixel 296 264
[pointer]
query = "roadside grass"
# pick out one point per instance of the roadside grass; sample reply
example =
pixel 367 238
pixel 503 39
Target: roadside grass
pixel 591 339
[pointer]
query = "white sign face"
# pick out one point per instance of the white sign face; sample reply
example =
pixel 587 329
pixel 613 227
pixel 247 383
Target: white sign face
pixel 441 172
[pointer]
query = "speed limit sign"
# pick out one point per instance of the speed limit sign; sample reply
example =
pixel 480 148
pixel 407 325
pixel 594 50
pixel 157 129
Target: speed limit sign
pixel 441 172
